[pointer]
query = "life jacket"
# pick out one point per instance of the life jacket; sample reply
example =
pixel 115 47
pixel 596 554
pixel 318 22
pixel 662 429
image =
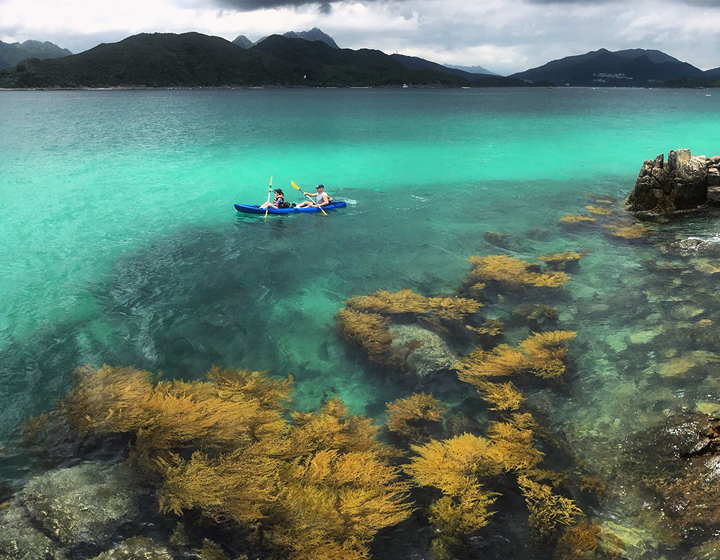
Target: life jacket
pixel 279 201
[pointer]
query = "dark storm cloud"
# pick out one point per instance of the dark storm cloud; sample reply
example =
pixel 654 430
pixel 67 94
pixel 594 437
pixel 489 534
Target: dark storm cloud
pixel 252 5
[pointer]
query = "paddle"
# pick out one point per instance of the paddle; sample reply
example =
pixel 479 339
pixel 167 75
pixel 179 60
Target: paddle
pixel 309 198
pixel 269 192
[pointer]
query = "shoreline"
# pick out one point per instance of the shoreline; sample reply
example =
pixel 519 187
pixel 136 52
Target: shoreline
pixel 217 88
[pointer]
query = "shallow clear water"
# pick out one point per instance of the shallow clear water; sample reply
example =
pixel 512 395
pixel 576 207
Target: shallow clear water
pixel 119 242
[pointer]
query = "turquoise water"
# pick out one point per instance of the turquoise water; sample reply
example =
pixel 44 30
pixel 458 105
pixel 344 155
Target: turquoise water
pixel 120 243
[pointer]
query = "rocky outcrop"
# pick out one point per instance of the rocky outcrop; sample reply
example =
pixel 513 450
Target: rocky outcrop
pixel 87 507
pixel 682 182
pixel 21 540
pixel 84 504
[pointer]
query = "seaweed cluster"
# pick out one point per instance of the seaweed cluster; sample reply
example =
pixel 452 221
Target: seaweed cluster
pixel 303 485
pixel 512 272
pixel 473 467
pixel 365 322
pixel 471 472
pixel 615 222
pixel 414 417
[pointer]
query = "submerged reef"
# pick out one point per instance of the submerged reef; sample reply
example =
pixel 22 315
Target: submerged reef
pixel 408 332
pixel 483 464
pixel 677 463
pixel 302 485
pixel 511 432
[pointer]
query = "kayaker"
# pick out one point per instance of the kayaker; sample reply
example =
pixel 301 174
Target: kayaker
pixel 322 198
pixel 278 202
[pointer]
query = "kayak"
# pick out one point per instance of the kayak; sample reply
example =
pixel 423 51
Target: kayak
pixel 255 209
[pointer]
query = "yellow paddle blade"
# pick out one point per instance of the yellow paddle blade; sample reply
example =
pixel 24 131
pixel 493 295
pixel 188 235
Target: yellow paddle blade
pixel 294 185
pixel 271 180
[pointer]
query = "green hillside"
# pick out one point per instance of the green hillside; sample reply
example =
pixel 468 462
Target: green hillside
pixel 14 53
pixel 196 60
pixel 154 60
pixel 321 65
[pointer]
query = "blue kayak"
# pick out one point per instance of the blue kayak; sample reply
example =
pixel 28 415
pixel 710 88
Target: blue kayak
pixel 255 209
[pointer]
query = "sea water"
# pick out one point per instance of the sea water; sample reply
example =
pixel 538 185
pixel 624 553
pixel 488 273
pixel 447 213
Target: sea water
pixel 119 242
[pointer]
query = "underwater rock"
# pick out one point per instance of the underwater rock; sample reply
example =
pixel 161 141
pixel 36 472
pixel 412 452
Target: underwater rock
pixel 643 337
pixel 136 548
pixel 681 183
pixel 20 540
pixel 84 504
pixel 706 551
pixel 679 462
pixel 429 354
pixel 693 245
pixel 710 408
pixel 706 266
pixel 679 366
pixel 626 542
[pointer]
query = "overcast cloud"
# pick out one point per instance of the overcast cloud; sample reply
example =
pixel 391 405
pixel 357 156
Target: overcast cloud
pixel 504 36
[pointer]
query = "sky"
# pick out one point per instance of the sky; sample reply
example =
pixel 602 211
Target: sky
pixel 504 36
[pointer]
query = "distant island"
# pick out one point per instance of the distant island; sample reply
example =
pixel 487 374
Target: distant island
pixel 311 59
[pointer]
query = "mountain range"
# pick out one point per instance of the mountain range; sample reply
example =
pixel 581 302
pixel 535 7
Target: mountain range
pixel 314 34
pixel 197 60
pixel 13 53
pixel 628 68
pixel 311 58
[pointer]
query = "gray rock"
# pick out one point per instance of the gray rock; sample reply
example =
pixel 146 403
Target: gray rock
pixel 693 246
pixel 432 354
pixel 681 183
pixel 83 504
pixel 20 540
pixel 136 548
